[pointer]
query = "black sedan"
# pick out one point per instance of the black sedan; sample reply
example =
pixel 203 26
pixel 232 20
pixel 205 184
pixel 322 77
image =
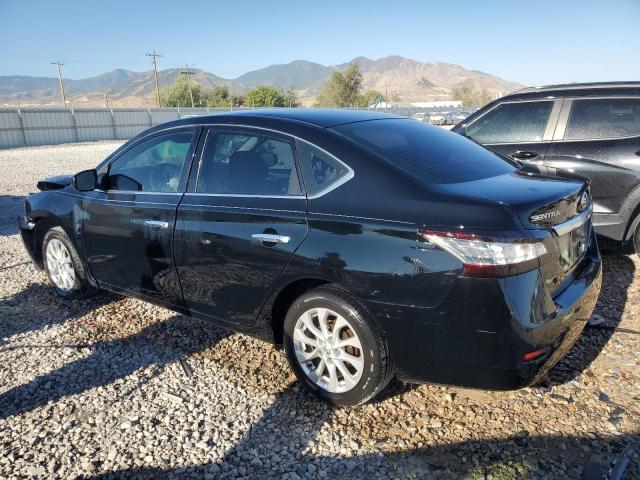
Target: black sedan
pixel 369 245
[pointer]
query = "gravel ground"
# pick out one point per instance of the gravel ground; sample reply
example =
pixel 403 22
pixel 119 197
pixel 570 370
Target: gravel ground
pixel 111 387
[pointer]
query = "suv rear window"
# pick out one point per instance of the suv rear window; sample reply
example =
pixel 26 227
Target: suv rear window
pixel 429 153
pixel 603 118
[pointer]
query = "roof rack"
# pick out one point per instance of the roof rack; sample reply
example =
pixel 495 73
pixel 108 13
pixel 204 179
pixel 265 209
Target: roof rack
pixel 579 86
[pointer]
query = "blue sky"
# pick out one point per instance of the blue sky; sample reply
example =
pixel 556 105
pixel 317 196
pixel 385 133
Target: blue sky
pixel 533 42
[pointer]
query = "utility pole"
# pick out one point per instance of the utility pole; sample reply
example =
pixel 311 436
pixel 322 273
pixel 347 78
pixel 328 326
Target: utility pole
pixel 386 92
pixel 188 74
pixel 64 98
pixel 153 56
pixel 106 99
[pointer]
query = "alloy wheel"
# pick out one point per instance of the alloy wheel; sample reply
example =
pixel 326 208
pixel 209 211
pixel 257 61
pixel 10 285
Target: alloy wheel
pixel 59 265
pixel 328 350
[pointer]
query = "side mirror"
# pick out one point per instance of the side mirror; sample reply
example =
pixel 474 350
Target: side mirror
pixel 122 182
pixel 86 180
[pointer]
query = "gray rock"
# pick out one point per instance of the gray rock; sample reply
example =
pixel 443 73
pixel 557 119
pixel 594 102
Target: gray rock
pixel 105 408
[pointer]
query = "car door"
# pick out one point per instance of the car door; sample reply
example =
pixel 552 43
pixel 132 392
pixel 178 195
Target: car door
pixel 600 138
pixel 520 129
pixel 128 225
pixel 242 218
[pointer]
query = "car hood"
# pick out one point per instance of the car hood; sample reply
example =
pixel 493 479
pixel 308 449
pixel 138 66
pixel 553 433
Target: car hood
pixel 549 200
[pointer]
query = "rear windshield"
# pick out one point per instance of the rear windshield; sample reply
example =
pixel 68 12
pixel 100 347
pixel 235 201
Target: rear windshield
pixel 430 153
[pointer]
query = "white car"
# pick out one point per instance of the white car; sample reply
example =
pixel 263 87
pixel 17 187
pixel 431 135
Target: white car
pixel 437 118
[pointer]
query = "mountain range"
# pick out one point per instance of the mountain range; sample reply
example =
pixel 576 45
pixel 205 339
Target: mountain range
pixel 404 79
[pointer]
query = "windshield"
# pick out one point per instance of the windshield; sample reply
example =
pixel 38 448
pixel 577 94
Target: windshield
pixel 429 153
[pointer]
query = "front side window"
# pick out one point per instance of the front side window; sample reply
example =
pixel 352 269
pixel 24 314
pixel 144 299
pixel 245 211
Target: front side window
pixel 248 164
pixel 603 118
pixel 320 171
pixel 512 123
pixel 155 165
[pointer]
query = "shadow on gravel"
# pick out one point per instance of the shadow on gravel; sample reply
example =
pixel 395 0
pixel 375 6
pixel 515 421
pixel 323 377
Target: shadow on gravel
pixel 158 344
pixel 285 429
pixel 11 206
pixel 514 457
pixel 282 440
pixel 38 306
pixel 618 275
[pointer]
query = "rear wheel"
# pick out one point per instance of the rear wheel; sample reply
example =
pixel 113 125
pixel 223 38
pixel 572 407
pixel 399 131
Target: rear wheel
pixel 334 347
pixel 636 239
pixel 63 266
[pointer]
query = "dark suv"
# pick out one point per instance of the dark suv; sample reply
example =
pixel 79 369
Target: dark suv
pixel 592 129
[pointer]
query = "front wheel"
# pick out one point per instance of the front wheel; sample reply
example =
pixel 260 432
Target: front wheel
pixel 63 265
pixel 335 348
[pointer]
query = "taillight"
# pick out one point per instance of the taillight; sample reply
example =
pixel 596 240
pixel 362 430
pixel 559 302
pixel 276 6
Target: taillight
pixel 489 255
pixel 529 356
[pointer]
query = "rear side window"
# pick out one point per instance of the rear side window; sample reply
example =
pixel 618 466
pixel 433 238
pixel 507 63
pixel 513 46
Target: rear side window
pixel 320 171
pixel 512 123
pixel 248 164
pixel 603 118
pixel 429 153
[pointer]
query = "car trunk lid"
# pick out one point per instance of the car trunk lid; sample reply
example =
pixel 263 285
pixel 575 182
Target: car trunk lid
pixel 559 205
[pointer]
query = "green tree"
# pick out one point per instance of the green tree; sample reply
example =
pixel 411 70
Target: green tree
pixel 465 95
pixel 484 98
pixel 343 88
pixel 268 96
pixel 369 97
pixel 218 97
pixel 290 98
pixel 237 100
pixel 353 83
pixel 470 97
pixel 177 94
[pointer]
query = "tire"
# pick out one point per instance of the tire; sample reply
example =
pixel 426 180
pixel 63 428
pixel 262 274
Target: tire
pixel 636 240
pixel 63 266
pixel 326 369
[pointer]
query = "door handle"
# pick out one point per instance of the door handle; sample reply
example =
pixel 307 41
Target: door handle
pixel 524 155
pixel 271 238
pixel 156 224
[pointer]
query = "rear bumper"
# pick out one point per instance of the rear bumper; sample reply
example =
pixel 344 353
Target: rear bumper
pixel 479 335
pixel 559 332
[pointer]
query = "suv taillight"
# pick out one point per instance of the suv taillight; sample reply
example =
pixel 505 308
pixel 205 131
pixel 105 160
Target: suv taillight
pixel 490 255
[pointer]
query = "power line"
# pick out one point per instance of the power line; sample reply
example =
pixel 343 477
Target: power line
pixel 64 98
pixel 153 56
pixel 188 74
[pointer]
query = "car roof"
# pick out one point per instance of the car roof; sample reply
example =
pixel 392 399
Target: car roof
pixel 320 117
pixel 579 90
